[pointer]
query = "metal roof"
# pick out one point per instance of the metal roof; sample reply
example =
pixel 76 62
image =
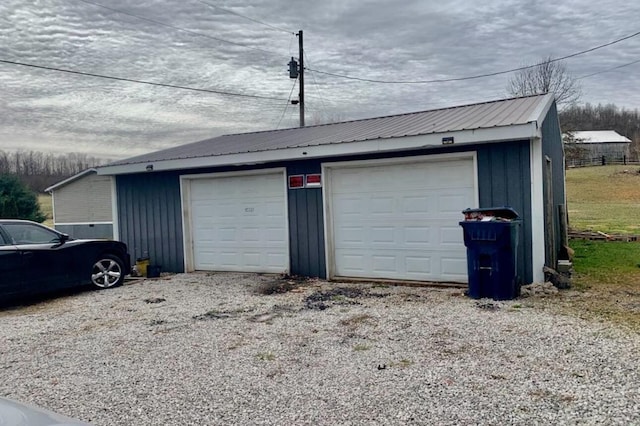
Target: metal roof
pixel 599 136
pixel 494 114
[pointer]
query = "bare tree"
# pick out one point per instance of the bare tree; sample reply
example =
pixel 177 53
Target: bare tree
pixel 38 170
pixel 548 76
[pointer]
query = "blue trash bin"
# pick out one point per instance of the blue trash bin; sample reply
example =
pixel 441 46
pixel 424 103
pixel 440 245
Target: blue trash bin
pixel 491 237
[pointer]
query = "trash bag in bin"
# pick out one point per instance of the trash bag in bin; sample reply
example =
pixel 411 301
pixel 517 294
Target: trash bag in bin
pixel 491 237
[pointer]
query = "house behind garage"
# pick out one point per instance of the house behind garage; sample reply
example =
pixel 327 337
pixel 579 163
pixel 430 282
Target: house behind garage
pixel 82 205
pixel 378 198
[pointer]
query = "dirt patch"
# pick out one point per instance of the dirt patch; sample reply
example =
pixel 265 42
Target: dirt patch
pixel 282 284
pixel 321 300
pixel 215 314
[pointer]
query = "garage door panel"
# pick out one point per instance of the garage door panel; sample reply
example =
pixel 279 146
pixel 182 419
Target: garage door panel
pixel 417 266
pixel 451 203
pixel 275 259
pixel 250 235
pixel 382 204
pixel 384 263
pixel 436 267
pixel 400 221
pixel 349 205
pixel 239 223
pixel 454 265
pixel 416 204
pixel 251 259
pixel 258 260
pixel 274 209
pixel 227 234
pixel 451 235
pixel 352 264
pixel 274 235
pixel 417 235
pixel 352 234
pixel 382 234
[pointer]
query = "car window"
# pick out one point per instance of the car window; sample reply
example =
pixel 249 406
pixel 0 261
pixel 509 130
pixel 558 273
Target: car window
pixel 3 242
pixel 26 233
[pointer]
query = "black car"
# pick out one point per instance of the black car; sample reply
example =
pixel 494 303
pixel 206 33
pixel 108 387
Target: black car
pixel 35 259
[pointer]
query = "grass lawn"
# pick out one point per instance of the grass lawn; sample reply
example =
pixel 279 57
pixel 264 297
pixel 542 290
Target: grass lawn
pixel 46 206
pixel 606 285
pixel 604 198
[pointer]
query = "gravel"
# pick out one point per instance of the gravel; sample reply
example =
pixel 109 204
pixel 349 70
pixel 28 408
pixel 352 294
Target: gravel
pixel 208 349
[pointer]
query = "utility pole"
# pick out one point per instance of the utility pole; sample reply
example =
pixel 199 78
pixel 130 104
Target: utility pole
pixel 296 70
pixel 301 59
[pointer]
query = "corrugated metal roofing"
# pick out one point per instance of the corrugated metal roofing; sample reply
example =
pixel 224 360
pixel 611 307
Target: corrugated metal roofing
pixel 500 113
pixel 599 136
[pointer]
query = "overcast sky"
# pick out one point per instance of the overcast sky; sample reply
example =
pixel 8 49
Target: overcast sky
pixel 216 49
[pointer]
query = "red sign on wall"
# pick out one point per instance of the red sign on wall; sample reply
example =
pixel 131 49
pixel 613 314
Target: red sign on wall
pixel 296 181
pixel 314 181
pixel 305 181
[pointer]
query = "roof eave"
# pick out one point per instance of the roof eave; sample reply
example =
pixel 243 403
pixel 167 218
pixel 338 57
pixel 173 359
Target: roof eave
pixel 540 112
pixel 525 131
pixel 70 179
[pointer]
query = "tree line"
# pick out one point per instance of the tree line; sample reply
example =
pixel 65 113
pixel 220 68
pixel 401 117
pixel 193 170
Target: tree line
pixel 601 117
pixel 38 170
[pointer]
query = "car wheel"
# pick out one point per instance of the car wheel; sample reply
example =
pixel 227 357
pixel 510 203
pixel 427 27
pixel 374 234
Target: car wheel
pixel 107 272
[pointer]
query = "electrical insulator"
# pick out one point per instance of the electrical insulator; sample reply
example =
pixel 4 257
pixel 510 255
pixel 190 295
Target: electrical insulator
pixel 293 68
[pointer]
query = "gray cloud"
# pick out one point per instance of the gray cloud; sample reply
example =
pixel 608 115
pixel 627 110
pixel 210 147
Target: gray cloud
pixel 377 39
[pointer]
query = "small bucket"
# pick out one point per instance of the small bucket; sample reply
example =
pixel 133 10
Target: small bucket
pixel 153 271
pixel 141 266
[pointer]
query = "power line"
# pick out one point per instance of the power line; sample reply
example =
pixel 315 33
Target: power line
pixel 608 69
pixel 195 33
pixel 290 43
pixel 130 80
pixel 324 105
pixel 287 104
pixel 273 27
pixel 473 77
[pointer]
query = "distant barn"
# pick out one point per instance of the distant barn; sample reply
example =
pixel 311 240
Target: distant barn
pixel 596 147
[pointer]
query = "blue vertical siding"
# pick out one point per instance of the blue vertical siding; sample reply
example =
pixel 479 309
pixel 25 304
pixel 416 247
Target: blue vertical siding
pixel 306 225
pixel 150 218
pixel 504 179
pixel 552 147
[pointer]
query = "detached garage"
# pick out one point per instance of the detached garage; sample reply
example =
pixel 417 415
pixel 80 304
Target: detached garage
pixel 379 198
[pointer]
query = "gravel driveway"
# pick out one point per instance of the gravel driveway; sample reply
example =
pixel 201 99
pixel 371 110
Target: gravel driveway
pixel 210 349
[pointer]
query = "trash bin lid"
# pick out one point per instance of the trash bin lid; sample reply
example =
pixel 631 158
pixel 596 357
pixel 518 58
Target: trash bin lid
pixel 501 212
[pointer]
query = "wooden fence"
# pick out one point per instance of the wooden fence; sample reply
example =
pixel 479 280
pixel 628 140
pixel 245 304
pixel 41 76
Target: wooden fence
pixel 602 236
pixel 600 161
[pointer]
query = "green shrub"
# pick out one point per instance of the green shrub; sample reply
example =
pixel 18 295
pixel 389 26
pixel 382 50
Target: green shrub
pixel 17 201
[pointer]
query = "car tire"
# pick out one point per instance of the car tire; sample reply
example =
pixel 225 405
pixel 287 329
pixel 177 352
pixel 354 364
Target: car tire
pixel 107 272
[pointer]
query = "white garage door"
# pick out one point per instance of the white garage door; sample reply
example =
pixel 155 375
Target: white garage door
pixel 239 223
pixel 400 221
